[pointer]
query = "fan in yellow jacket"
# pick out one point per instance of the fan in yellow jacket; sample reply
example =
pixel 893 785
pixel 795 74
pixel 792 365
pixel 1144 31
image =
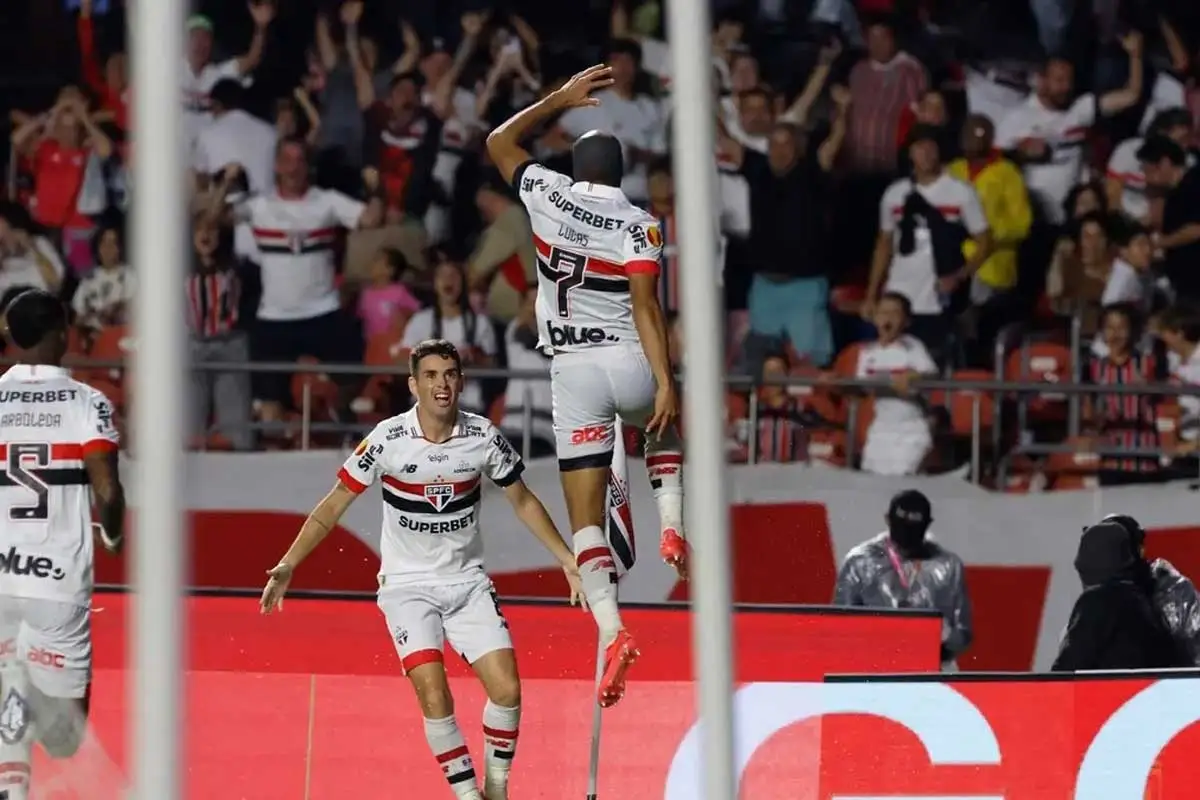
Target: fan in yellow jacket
pixel 1005 201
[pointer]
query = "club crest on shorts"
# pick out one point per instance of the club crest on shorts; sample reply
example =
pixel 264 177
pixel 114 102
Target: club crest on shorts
pixel 439 495
pixel 14 717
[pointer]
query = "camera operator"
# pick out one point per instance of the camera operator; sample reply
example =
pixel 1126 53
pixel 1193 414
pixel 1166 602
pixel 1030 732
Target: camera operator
pixel 904 567
pixel 1173 594
pixel 1114 624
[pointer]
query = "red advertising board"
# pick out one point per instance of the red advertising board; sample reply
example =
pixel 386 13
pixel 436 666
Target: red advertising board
pixel 313 698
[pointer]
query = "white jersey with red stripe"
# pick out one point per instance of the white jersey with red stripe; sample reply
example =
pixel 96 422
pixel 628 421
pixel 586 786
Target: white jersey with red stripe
pixel 48 423
pixel 589 240
pixel 431 494
pixel 295 238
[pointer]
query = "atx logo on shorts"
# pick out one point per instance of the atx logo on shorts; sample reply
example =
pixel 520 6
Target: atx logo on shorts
pixel 593 433
pixel 15 562
pixel 439 495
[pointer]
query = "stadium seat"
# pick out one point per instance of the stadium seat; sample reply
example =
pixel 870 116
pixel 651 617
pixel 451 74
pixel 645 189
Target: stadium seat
pixel 496 410
pixel 383 350
pixel 322 392
pixel 960 403
pixel 1041 362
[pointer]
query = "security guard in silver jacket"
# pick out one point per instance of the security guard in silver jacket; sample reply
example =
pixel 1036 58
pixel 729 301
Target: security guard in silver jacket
pixel 903 567
pixel 1174 595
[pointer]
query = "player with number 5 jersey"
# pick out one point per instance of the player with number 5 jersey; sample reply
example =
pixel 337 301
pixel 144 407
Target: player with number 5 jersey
pixel 58 453
pixel 599 317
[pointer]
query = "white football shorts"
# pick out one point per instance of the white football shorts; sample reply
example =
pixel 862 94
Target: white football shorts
pixel 54 639
pixel 590 389
pixel 422 618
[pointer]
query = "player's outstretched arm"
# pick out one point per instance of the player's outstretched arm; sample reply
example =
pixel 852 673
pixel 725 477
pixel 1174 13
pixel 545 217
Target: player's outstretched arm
pixel 103 469
pixel 504 143
pixel 533 515
pixel 314 530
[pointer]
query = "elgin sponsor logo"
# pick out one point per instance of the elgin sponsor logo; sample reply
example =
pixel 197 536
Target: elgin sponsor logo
pixel 46 658
pixel 14 562
pixel 1088 739
pixel 567 335
pixel 595 433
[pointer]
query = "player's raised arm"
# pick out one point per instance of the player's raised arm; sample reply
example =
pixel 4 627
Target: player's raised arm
pixel 643 247
pixel 504 143
pixel 360 471
pixel 505 467
pixel 101 460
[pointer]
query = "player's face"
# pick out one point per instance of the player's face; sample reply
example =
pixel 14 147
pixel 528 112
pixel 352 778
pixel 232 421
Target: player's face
pixel 889 320
pixel 437 385
pixel 291 167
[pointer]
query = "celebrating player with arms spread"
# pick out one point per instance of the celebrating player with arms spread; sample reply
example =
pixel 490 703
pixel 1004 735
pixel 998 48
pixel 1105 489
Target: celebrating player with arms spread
pixel 598 314
pixel 432 586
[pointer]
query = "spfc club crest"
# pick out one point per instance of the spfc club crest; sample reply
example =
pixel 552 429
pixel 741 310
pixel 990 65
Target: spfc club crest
pixel 439 495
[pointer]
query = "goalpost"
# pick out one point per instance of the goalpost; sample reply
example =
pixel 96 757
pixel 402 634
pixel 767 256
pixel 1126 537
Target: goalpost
pixel 156 42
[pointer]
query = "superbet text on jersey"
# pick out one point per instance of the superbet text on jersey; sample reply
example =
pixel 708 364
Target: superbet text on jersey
pixel 431 494
pixel 589 239
pixel 48 423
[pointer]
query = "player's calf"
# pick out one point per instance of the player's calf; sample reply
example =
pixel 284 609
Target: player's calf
pixel 17 729
pixel 61 724
pixel 664 467
pixel 501 719
pixel 442 733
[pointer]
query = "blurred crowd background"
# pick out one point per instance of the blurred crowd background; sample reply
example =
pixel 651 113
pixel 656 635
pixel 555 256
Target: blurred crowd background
pixel 978 190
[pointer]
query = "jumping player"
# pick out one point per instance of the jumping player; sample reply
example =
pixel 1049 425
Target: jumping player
pixel 432 585
pixel 598 314
pixel 57 440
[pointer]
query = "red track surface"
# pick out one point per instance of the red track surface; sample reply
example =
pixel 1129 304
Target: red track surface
pixel 309 703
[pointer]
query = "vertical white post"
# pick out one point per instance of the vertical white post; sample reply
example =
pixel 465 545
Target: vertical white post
pixel 706 512
pixel 158 236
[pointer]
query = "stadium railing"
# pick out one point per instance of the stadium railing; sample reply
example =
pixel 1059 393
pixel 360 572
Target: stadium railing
pixel 853 389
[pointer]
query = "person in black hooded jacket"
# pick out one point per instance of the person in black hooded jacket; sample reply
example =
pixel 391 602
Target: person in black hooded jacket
pixel 1114 624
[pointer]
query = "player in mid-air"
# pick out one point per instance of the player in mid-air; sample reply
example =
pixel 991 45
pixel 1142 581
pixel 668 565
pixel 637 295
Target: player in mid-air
pixel 432 585
pixel 57 442
pixel 599 316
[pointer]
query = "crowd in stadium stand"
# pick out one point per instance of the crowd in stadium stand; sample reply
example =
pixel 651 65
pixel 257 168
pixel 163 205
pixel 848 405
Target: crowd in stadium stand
pixel 908 188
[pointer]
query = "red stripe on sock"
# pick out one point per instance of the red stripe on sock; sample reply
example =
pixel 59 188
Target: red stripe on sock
pixel 450 755
pixel 498 733
pixel 419 657
pixel 591 554
pixel 662 459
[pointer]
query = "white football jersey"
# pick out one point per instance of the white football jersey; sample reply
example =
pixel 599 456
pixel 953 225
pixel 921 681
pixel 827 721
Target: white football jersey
pixel 589 240
pixel 431 494
pixel 48 423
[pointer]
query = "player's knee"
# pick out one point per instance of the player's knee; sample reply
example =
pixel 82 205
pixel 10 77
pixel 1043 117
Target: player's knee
pixel 61 724
pixel 436 701
pixel 505 691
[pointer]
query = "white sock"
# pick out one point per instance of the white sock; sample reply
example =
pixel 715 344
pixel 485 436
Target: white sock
pixel 598 573
pixel 500 727
pixel 665 470
pixel 450 750
pixel 16 715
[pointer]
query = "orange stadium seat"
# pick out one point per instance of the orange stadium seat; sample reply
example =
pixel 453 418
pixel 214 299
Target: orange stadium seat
pixel 1041 362
pixel 322 391
pixel 383 350
pixel 961 402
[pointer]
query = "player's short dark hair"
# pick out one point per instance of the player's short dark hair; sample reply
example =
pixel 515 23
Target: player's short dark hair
pixel 898 297
pixel 433 347
pixel 34 315
pixel 1158 147
pixel 627 47
pixel 596 157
